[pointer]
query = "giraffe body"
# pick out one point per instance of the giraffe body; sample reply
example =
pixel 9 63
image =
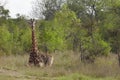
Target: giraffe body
pixel 37 58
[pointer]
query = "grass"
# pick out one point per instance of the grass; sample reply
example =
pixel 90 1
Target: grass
pixel 82 77
pixel 67 66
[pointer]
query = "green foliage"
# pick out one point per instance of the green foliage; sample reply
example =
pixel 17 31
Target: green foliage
pixel 110 29
pixel 89 27
pixel 50 36
pixel 54 32
pixel 100 47
pixel 14 38
pixel 91 49
pixel 25 39
pixel 5 39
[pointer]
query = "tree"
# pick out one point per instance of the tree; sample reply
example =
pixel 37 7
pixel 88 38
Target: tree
pixel 71 26
pixel 5 41
pixel 59 32
pixel 46 8
pixel 91 13
pixel 4 13
pixel 110 28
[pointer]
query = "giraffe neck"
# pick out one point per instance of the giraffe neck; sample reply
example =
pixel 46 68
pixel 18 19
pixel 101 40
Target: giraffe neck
pixel 34 41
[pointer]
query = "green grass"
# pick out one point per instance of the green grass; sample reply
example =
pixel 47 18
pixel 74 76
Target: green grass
pixel 67 66
pixel 4 77
pixel 83 77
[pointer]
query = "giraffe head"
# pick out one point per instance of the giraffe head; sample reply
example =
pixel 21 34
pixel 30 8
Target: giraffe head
pixel 32 23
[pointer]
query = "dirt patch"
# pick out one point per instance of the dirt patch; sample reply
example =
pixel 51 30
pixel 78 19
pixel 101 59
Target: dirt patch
pixel 20 76
pixel 15 74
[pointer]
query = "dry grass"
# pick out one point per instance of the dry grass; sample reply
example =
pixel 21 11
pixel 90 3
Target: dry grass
pixel 66 65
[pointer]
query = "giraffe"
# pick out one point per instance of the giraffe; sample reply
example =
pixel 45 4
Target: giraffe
pixel 37 58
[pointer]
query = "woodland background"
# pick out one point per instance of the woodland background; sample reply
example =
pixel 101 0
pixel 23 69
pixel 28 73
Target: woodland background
pixel 89 30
